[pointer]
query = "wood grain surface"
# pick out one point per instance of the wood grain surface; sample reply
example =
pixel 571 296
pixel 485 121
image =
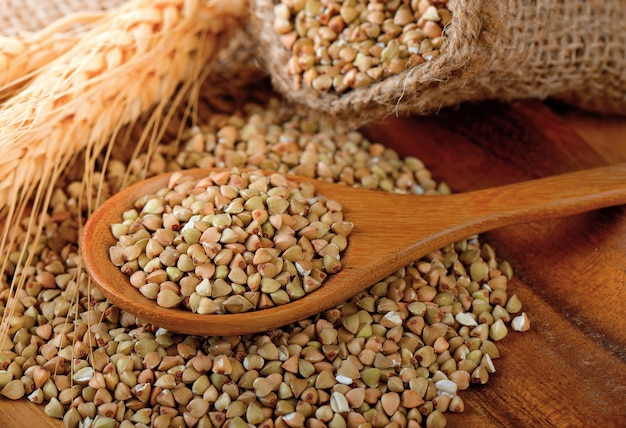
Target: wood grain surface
pixel 569 370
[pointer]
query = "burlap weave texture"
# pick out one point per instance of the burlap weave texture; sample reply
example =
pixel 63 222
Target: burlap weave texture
pixel 18 16
pixel 573 50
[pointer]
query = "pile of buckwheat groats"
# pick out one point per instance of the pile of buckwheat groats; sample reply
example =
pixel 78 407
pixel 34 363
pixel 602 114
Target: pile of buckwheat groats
pixel 230 242
pixel 397 355
pixel 341 45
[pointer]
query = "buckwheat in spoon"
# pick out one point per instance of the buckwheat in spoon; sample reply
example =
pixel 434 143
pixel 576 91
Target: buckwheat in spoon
pixel 226 252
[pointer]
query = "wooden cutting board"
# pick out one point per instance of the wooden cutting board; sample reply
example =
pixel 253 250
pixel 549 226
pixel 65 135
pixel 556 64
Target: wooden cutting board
pixel 569 370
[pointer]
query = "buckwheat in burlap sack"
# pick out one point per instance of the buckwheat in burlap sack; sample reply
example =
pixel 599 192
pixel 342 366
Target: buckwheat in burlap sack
pixel 572 50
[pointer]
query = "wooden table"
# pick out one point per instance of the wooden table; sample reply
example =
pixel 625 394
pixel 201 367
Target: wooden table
pixel 569 370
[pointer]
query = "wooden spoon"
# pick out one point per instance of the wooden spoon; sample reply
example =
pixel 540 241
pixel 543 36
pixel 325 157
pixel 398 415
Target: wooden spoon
pixel 390 232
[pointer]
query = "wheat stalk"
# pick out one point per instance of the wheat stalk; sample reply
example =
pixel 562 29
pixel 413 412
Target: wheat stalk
pixel 141 57
pixel 23 55
pixel 133 60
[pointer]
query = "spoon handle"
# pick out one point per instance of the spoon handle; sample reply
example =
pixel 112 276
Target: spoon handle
pixel 421 224
pixel 393 230
pixel 545 198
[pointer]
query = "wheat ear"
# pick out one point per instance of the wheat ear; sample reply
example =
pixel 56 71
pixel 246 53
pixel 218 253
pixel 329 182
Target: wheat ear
pixel 134 59
pixel 138 58
pixel 21 56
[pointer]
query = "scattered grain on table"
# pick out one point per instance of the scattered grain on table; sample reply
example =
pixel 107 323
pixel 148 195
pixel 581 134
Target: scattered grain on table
pixel 399 353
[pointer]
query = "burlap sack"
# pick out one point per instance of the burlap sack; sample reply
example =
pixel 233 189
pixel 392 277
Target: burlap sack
pixel 19 16
pixel 572 50
pixel 510 49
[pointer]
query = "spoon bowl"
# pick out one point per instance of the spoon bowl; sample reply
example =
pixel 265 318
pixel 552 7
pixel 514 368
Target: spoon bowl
pixel 390 231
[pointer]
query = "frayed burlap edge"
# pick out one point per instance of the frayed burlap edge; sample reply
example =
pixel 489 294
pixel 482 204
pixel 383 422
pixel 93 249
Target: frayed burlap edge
pixel 507 50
